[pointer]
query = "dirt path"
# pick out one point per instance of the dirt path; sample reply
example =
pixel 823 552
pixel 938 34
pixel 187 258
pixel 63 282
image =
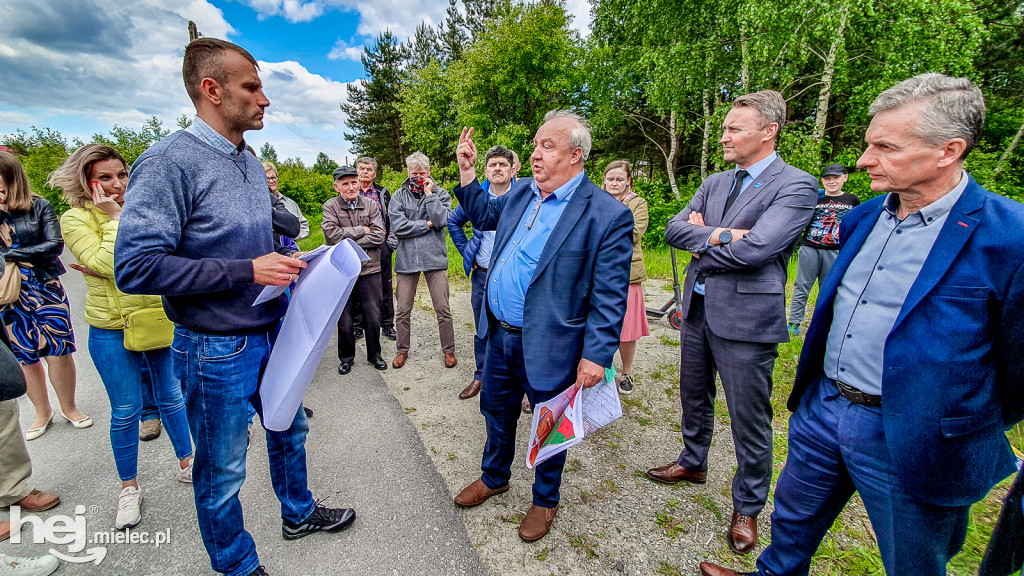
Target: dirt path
pixel 612 519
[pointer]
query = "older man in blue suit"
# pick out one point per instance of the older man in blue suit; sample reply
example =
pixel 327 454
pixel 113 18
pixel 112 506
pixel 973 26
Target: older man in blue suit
pixel 556 294
pixel 912 366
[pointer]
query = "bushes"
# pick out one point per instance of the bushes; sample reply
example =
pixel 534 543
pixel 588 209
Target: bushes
pixel 662 205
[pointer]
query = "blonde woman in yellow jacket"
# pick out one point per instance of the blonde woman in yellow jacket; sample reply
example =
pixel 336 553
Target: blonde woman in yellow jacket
pixel 93 179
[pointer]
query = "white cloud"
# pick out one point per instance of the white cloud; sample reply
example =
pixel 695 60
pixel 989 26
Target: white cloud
pixel 375 16
pixel 102 62
pixel 580 10
pixel 342 51
pixel 290 10
pixel 11 117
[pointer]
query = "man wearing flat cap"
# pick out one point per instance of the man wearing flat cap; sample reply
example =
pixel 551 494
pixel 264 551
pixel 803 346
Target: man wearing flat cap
pixel 820 242
pixel 351 215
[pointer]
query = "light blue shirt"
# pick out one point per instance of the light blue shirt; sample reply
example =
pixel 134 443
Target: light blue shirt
pixel 874 287
pixel 753 172
pixel 207 134
pixel 511 277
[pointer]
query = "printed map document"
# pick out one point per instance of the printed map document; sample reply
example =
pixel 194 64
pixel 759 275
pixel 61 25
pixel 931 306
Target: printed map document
pixel 568 418
pixel 317 302
pixel 272 292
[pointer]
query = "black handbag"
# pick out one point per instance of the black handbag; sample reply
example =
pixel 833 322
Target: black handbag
pixel 12 379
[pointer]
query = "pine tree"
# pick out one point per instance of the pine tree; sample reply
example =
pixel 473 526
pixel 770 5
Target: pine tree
pixel 376 128
pixel 268 154
pixel 324 165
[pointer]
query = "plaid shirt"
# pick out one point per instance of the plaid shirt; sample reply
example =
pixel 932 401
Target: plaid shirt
pixel 372 193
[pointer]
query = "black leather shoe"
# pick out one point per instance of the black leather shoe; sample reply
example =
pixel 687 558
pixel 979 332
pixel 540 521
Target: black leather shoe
pixel 358 333
pixel 379 363
pixel 309 413
pixel 389 333
pixel 344 368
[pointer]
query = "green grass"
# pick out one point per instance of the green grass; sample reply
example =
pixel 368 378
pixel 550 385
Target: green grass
pixel 849 547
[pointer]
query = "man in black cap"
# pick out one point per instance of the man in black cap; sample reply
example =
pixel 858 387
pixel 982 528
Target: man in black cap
pixel 820 242
pixel 350 215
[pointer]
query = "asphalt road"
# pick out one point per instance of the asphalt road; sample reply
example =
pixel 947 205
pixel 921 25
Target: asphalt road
pixel 362 452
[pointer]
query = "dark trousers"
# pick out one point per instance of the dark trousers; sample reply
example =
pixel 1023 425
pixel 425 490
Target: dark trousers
pixel 746 371
pixel 836 448
pixel 504 383
pixel 366 292
pixel 387 295
pixel 479 280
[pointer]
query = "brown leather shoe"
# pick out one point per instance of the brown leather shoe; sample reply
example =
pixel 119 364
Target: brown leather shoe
pixel 674 473
pixel 149 429
pixel 742 533
pixel 449 360
pixel 526 408
pixel 472 390
pixel 709 569
pixel 400 360
pixel 477 493
pixel 537 523
pixel 37 501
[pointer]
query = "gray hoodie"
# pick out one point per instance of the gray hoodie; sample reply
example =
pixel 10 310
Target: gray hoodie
pixel 420 247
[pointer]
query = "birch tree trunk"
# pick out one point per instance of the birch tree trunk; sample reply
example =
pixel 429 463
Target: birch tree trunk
pixel 1006 154
pixel 673 151
pixel 705 143
pixel 745 63
pixel 827 77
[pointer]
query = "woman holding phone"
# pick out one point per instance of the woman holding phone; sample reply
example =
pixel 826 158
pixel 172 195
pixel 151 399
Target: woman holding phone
pixel 38 323
pixel 93 179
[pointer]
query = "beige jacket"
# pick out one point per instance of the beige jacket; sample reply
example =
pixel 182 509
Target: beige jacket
pixel 641 217
pixel 341 222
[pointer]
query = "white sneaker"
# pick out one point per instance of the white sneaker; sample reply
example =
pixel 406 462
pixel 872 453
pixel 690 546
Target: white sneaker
pixel 185 474
pixel 35 566
pixel 129 508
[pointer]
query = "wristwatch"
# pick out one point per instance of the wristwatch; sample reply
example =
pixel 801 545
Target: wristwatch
pixel 725 236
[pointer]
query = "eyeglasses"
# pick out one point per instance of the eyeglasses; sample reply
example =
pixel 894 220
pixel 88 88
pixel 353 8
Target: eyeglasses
pixel 271 178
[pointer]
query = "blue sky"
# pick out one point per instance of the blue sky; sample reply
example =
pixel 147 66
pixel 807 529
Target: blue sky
pixel 82 66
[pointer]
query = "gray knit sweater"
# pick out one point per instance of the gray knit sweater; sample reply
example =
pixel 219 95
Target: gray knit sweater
pixel 420 248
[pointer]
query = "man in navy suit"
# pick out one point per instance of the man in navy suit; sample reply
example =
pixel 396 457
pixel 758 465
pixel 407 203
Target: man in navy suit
pixel 556 294
pixel 912 366
pixel 476 250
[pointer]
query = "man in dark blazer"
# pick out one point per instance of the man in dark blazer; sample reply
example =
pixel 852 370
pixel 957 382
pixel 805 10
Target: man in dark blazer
pixel 912 366
pixel 741 227
pixel 556 294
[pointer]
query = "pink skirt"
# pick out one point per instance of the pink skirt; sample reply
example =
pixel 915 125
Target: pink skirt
pixel 635 325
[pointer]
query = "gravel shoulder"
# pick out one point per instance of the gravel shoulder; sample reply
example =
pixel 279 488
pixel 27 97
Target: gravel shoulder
pixel 612 519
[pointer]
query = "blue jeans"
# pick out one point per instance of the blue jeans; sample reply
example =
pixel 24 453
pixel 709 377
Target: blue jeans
pixel 501 399
pixel 149 408
pixel 122 374
pixel 479 281
pixel 836 448
pixel 221 376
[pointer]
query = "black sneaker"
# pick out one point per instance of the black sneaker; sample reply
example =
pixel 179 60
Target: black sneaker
pixel 389 333
pixel 322 518
pixel 626 384
pixel 358 333
pixel 309 413
pixel 260 571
